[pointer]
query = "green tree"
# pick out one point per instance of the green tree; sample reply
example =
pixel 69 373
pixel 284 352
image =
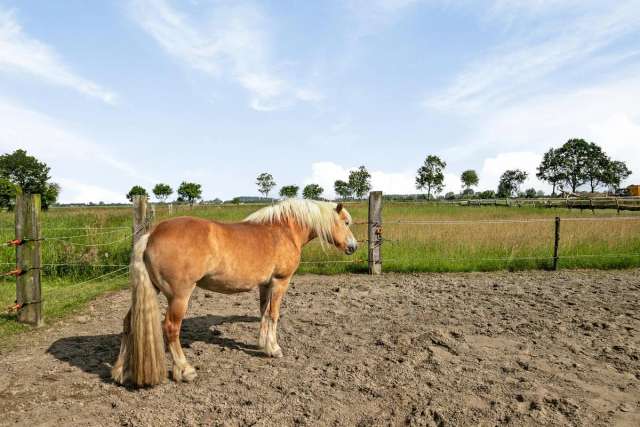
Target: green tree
pixel 25 171
pixel 614 173
pixel 530 193
pixel 289 191
pixel 360 182
pixel 574 160
pixel 551 169
pixel 342 189
pixel 7 193
pixel 162 191
pixel 596 165
pixel 30 174
pixel 430 175
pixel 50 195
pixel 510 182
pixel 487 194
pixel 265 183
pixel 469 179
pixel 312 191
pixel 136 190
pixel 190 192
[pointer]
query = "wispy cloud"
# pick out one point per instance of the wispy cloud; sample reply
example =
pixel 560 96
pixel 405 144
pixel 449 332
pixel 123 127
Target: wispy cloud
pixel 21 53
pixel 233 42
pixel 370 16
pixel 69 155
pixel 519 67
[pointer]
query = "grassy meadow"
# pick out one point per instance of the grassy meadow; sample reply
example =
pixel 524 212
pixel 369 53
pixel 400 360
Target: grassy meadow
pixel 88 242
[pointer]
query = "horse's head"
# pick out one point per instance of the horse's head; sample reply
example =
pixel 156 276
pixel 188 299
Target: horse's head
pixel 341 235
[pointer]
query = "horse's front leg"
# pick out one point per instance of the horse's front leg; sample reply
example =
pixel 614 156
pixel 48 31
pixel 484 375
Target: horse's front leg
pixel 270 300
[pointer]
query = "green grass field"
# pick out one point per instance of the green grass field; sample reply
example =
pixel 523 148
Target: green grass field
pixel 88 242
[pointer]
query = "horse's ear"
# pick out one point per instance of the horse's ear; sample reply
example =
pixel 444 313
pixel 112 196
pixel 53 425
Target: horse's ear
pixel 339 207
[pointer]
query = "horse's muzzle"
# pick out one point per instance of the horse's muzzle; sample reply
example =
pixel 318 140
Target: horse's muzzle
pixel 351 248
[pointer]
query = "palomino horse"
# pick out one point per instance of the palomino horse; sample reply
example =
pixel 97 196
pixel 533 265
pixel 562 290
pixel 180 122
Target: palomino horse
pixel 179 254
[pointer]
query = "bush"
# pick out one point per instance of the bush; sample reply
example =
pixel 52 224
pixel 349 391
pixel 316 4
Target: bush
pixel 487 194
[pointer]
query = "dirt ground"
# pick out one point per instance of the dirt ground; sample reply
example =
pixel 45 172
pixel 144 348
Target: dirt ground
pixel 530 348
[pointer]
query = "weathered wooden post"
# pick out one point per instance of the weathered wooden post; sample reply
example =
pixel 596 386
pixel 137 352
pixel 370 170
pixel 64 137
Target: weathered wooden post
pixel 556 244
pixel 28 288
pixel 141 220
pixel 375 232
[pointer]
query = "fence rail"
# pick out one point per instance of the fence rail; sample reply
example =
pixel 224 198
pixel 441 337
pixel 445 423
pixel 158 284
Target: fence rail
pixel 588 203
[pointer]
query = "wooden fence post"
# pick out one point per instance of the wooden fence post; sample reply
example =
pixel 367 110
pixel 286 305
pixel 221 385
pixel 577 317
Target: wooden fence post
pixel 28 289
pixel 141 221
pixel 556 244
pixel 375 232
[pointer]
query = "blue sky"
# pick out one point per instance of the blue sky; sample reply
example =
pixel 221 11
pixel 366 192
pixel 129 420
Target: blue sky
pixel 112 94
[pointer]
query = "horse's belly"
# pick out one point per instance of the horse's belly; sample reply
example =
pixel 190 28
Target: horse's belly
pixel 228 285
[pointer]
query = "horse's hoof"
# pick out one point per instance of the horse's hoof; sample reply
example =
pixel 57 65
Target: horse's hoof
pixel 186 374
pixel 189 374
pixel 277 353
pixel 117 375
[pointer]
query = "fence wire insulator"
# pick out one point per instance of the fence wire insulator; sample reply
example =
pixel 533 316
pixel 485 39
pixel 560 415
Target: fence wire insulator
pixel 13 308
pixel 17 272
pixel 16 242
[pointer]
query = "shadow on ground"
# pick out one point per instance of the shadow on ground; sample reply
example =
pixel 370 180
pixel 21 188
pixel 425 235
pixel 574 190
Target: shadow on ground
pixel 94 354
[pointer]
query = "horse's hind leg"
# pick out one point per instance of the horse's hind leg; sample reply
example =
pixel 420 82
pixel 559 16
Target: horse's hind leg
pixel 119 372
pixel 182 370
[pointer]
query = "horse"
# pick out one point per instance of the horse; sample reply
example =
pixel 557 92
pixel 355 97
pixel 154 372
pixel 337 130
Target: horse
pixel 263 251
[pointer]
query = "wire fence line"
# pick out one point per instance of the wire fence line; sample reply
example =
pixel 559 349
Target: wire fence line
pixel 102 276
pixel 529 258
pixel 73 228
pixel 501 221
pixel 102 231
pixel 127 237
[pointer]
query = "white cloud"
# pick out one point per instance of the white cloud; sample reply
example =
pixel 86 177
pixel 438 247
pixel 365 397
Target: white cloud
pixel 517 68
pixel 21 53
pixel 234 42
pixel 79 192
pixel 326 173
pixel 494 167
pixel 516 137
pixel 68 154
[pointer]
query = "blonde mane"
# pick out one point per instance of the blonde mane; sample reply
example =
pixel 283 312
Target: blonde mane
pixel 319 216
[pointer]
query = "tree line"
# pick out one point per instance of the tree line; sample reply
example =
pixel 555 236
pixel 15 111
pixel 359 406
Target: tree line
pixel 188 192
pixel 575 164
pixel 571 166
pixel 357 185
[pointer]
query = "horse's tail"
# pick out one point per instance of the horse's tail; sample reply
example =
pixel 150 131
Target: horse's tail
pixel 142 351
